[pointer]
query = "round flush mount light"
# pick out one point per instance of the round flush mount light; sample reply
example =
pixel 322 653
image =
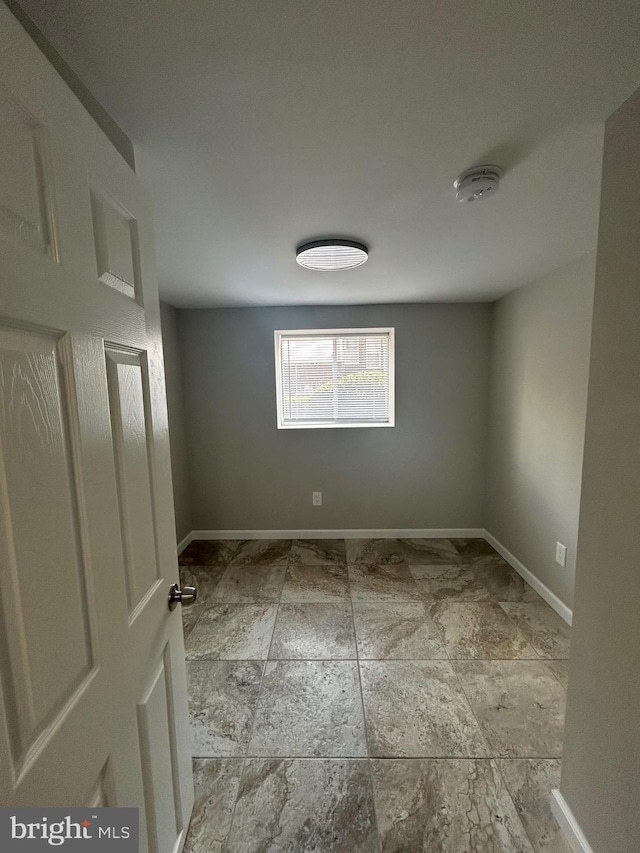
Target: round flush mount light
pixel 331 254
pixel 478 183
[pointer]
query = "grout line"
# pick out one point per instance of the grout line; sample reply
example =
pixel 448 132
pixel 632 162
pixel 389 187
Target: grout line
pixel 236 800
pixel 266 661
pixel 555 674
pixel 521 633
pixel 364 716
pixel 527 758
pixel 374 660
pixel 379 758
pixel 532 840
pixel 501 660
pixel 357 660
pixel 241 759
pixel 255 708
pixel 273 632
pixel 200 612
pixel 473 713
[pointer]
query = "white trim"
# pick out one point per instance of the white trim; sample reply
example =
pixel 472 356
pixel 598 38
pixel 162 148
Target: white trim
pixel 188 539
pixel 571 828
pixel 336 424
pixel 341 533
pixel 542 589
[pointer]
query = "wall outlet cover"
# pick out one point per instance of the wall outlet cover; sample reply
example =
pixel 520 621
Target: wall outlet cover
pixel 561 554
pixel 316 498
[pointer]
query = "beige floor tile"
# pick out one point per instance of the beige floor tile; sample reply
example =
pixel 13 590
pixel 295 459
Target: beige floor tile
pixel 315 584
pixel 261 552
pixel 190 616
pixel 222 700
pixel 530 781
pixel 503 582
pixel 560 668
pixel 426 552
pixel 304 806
pixel 549 635
pixel 309 708
pixel 216 783
pixel 204 578
pixel 232 632
pixel 376 552
pixel 448 583
pixel 418 709
pixel 445 806
pixel 314 632
pixel 473 549
pixel 209 552
pixel 244 584
pixel 402 630
pixel 382 552
pixel 519 704
pixel 479 630
pixel 382 583
pixel 318 552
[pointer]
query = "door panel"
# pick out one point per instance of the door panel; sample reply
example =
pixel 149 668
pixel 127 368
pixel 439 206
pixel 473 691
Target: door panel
pixel 156 726
pixel 26 194
pixel 93 702
pixel 101 795
pixel 131 438
pixel 46 659
pixel 115 234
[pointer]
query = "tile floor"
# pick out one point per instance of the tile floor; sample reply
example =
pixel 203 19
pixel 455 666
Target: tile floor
pixel 379 695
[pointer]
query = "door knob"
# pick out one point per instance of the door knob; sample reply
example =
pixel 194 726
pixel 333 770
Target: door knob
pixel 184 596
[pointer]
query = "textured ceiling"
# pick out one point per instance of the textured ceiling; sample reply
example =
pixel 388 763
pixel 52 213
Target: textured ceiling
pixel 260 124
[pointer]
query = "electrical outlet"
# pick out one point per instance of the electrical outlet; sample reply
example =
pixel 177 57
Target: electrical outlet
pixel 316 498
pixel 561 554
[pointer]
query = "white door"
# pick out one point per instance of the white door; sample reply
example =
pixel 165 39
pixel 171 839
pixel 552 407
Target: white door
pixel 93 705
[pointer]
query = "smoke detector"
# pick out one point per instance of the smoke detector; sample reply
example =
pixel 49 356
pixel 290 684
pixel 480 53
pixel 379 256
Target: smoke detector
pixel 478 183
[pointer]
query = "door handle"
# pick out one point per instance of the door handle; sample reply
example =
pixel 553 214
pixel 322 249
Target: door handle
pixel 185 596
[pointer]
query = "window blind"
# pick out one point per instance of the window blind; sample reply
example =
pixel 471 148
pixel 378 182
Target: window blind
pixel 334 377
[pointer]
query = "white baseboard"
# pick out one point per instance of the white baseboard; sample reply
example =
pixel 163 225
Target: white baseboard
pixel 340 533
pixel 542 589
pixel 575 836
pixel 188 539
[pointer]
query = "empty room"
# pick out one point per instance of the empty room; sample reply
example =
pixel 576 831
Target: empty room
pixel 319 418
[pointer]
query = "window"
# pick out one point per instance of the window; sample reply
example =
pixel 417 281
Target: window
pixel 334 378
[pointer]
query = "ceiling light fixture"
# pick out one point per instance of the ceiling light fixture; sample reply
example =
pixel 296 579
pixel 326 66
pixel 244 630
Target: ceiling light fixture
pixel 478 183
pixel 331 254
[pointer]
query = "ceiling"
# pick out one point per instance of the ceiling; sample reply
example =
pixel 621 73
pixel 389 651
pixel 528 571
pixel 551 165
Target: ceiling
pixel 259 125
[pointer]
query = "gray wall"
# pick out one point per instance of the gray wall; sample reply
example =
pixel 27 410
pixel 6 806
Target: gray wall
pixel 601 764
pixel 427 471
pixel 177 427
pixel 539 375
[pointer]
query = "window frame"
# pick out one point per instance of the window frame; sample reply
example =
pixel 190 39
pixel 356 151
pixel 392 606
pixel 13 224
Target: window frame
pixel 280 334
